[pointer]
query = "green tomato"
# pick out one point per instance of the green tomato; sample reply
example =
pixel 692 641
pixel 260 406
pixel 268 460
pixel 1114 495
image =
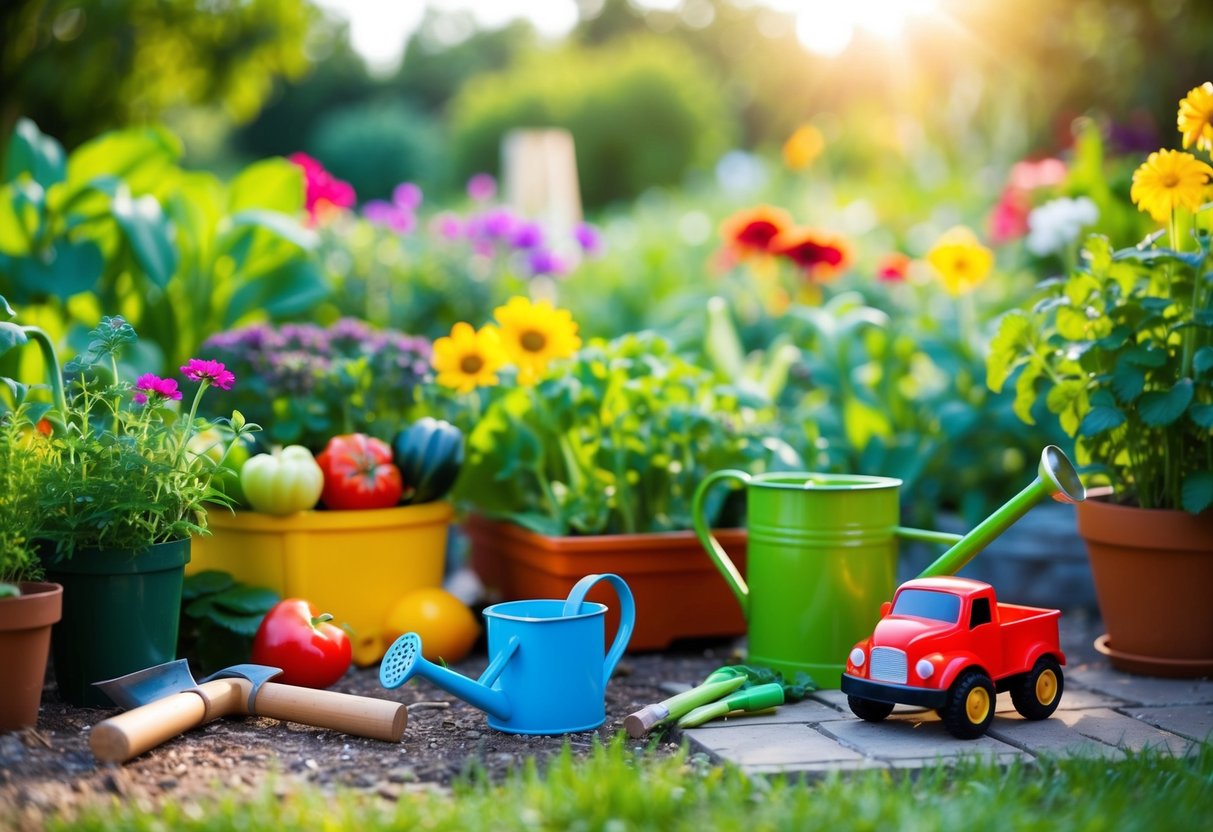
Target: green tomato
pixel 211 444
pixel 284 482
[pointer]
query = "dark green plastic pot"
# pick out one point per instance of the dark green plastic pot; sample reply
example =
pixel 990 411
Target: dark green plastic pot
pixel 120 614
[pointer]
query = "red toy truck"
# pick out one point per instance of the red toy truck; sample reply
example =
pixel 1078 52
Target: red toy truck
pixel 946 643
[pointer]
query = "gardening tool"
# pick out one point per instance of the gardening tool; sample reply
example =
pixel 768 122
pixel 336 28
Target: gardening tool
pixel 757 698
pixel 822 557
pixel 164 701
pixel 720 682
pixel 547 674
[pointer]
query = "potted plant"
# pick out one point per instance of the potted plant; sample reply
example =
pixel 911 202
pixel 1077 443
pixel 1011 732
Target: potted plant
pixel 348 390
pixel 28 607
pixel 1121 350
pixel 584 459
pixel 116 497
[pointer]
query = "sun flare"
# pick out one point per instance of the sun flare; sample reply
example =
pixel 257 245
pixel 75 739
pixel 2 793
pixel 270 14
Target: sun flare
pixel 827 28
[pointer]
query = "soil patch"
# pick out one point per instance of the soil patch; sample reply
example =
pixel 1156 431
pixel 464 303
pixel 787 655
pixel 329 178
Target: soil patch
pixel 50 770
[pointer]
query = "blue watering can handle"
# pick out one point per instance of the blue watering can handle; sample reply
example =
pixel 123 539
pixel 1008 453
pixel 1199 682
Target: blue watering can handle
pixel 627 615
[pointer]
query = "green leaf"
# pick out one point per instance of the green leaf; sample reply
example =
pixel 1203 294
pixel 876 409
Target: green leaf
pixel 1159 409
pixel 246 599
pixel 148 232
pixel 1197 492
pixel 290 290
pixel 280 225
pixel 245 625
pixel 64 270
pixel 1101 419
pixel 1128 381
pixel 140 156
pixel 1011 340
pixel 1025 391
pixel 1202 414
pixel 8 590
pixel 1145 356
pixel 11 336
pixel 1097 251
pixel 207 582
pixel 33 152
pixel 275 185
pixel 1069 401
pixel 6 309
pixel 1203 360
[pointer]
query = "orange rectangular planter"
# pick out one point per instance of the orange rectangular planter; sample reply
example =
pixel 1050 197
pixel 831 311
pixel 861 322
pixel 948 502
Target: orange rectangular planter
pixel 679 594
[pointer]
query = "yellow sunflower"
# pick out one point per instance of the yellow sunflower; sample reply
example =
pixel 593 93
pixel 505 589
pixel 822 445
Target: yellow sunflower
pixel 535 334
pixel 962 262
pixel 467 358
pixel 1196 117
pixel 1167 180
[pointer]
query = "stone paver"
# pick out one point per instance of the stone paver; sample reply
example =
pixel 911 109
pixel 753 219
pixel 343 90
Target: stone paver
pixel 1103 713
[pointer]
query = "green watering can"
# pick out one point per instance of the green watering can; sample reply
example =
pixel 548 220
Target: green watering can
pixel 822 557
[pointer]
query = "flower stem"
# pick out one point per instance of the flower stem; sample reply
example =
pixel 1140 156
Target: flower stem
pixel 189 425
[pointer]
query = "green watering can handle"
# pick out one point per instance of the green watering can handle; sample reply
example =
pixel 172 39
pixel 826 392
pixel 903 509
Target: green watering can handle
pixel 715 551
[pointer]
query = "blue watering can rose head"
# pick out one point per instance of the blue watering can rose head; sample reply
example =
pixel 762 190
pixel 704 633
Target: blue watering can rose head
pixel 547 672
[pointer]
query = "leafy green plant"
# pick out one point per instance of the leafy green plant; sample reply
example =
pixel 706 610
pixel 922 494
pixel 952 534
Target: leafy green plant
pixel 18 511
pixel 219 618
pixel 115 470
pixel 120 226
pixel 614 440
pixel 1121 351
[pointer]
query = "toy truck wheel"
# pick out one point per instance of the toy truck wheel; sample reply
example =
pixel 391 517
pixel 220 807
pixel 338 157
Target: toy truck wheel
pixel 869 710
pixel 970 705
pixel 1037 693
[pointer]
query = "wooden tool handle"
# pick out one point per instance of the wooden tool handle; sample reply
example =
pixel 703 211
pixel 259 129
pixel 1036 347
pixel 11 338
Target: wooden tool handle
pixel 362 716
pixel 119 738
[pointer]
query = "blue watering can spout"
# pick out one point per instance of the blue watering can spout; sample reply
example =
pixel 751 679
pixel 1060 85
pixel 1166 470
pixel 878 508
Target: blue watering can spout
pixel 403 661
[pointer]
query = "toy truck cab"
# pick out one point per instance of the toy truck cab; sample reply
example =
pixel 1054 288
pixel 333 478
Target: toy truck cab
pixel 946 643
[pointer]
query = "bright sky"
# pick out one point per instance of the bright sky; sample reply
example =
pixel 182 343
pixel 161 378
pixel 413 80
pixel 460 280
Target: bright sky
pixel 379 28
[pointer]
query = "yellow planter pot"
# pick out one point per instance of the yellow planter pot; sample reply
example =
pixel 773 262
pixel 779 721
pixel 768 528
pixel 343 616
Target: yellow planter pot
pixel 353 564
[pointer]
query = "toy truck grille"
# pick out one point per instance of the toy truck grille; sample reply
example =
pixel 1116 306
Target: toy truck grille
pixel 888 665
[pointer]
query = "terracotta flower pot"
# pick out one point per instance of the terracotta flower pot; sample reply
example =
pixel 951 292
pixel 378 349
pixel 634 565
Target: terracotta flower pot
pixel 678 592
pixel 25 640
pixel 1153 572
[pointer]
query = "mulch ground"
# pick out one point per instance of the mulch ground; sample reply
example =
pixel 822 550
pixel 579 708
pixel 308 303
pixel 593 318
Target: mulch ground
pixel 50 769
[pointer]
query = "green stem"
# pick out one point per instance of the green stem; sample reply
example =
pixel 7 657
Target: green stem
pixel 189 425
pixel 53 370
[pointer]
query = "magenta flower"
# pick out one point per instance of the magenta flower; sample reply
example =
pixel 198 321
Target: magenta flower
pixel 326 194
pixel 152 387
pixel 198 369
pixel 389 215
pixel 588 237
pixel 482 187
pixel 447 225
pixel 407 195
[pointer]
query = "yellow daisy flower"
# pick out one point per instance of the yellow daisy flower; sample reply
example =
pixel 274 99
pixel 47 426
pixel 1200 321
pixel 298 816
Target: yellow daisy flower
pixel 961 261
pixel 1167 180
pixel 803 147
pixel 535 334
pixel 467 358
pixel 1196 117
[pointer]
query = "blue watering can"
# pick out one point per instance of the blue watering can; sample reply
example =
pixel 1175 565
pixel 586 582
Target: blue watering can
pixel 547 674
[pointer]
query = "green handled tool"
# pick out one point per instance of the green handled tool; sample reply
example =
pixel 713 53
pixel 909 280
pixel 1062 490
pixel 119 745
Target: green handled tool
pixel 720 682
pixel 757 698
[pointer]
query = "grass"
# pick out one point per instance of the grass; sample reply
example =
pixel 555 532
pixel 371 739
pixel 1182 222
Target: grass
pixel 617 789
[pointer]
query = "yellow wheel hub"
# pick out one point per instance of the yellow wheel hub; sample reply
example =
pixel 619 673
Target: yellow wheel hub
pixel 977 705
pixel 1046 687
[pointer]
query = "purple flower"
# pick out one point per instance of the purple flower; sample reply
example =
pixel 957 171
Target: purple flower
pixel 407 195
pixel 307 337
pixel 447 225
pixel 152 387
pixel 527 235
pixel 499 224
pixel 198 369
pixel 386 214
pixel 482 187
pixel 544 261
pixel 589 238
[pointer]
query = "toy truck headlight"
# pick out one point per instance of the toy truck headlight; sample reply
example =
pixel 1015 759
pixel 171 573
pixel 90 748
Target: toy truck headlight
pixel 857 657
pixel 924 669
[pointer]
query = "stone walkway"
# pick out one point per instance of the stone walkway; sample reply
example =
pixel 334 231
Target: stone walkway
pixel 1102 712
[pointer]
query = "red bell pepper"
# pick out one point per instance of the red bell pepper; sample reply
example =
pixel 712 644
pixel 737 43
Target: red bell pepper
pixel 311 652
pixel 358 473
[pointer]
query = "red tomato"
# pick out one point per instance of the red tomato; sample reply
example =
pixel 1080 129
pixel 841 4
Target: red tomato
pixel 358 473
pixel 311 652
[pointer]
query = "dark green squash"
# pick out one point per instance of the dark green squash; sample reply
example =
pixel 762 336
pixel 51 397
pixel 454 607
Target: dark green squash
pixel 429 454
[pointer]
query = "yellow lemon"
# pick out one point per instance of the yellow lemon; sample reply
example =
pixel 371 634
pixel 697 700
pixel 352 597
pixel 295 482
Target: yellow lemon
pixel 448 629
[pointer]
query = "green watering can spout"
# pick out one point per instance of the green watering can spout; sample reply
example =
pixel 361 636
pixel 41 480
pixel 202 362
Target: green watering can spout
pixel 1055 478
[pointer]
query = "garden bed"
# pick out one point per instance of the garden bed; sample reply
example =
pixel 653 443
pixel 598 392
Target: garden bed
pixel 51 770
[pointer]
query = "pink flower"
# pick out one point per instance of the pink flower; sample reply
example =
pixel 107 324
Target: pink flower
pixel 893 267
pixel 482 187
pixel 152 387
pixel 325 193
pixel 198 369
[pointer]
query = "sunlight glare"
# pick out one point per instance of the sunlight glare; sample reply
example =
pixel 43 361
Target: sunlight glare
pixel 828 27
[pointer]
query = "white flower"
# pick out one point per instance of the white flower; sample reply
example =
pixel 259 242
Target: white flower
pixel 1056 224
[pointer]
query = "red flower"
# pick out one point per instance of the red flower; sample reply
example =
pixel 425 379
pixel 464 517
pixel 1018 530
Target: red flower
pixel 750 231
pixel 819 255
pixel 893 267
pixel 325 193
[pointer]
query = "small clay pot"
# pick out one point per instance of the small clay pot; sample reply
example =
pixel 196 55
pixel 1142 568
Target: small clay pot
pixel 25 640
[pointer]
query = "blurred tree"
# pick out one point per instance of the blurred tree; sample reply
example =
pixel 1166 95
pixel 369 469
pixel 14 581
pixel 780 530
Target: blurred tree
pixel 78 68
